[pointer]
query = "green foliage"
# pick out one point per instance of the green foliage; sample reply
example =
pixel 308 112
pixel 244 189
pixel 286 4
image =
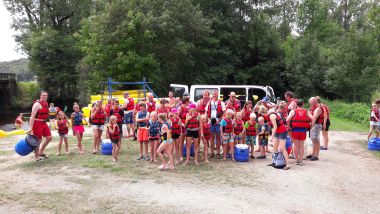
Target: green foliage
pixel 19 67
pixel 25 95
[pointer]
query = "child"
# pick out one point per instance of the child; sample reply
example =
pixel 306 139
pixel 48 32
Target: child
pixel 78 129
pixel 238 128
pixel 142 119
pixel 263 132
pixel 113 133
pixel 227 130
pixel 154 130
pixel 250 131
pixel 119 113
pixel 374 121
pixel 205 136
pixel 166 144
pixel 176 132
pixel 192 125
pixel 63 130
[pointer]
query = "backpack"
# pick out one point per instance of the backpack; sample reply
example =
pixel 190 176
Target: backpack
pixel 278 160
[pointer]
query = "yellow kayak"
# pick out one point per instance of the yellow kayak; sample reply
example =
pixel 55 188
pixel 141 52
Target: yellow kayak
pixel 11 133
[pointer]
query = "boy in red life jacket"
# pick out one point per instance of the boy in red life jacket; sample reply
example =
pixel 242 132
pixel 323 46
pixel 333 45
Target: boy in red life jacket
pixel 263 133
pixel 129 108
pixel 299 121
pixel 113 133
pixel 176 132
pixel 63 130
pixel 205 136
pixel 250 133
pixel 374 121
pixel 151 103
pixel 192 125
pixel 142 119
pixel 119 113
pixel 239 128
pixel 228 139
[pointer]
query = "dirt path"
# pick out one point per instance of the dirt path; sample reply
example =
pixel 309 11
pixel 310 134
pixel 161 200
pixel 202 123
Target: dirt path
pixel 345 180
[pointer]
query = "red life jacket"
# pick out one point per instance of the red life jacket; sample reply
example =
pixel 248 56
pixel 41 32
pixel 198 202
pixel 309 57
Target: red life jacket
pixel 193 123
pixel 289 103
pixel 62 127
pixel 326 109
pixel 235 105
pixel 376 112
pixel 116 112
pixel 18 120
pixel 246 115
pixel 284 114
pixel 321 117
pixel 176 128
pixel 151 106
pixel 206 130
pixel 131 104
pixel 116 134
pixel 251 130
pixel 229 127
pixel 266 117
pixel 300 119
pixel 238 128
pixel 42 113
pixel 183 114
pixel 281 128
pixel 219 109
pixel 99 118
pixel 202 107
pixel 160 110
pixel 107 109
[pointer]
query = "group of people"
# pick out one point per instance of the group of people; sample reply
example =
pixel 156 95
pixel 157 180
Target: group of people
pixel 168 126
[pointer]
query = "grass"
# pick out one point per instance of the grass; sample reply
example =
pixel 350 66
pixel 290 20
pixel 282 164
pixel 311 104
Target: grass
pixel 339 124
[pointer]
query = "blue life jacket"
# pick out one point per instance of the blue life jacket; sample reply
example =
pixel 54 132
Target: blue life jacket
pixel 77 118
pixel 154 128
pixel 142 115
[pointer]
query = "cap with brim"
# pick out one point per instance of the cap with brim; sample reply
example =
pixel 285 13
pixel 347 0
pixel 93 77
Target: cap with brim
pixel 192 106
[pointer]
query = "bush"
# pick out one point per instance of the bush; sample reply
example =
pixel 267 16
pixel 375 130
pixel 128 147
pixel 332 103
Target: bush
pixel 26 94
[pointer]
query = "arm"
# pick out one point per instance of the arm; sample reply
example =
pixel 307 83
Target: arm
pixel 289 118
pixel 35 109
pixel 324 119
pixel 311 119
pixel 274 122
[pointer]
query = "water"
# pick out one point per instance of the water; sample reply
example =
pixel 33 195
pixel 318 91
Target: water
pixel 7 120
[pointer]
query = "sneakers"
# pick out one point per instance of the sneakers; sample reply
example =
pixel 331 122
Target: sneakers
pixel 253 157
pixel 262 157
pixel 314 159
pixel 309 156
pixel 162 167
pixel 140 157
pixel 323 148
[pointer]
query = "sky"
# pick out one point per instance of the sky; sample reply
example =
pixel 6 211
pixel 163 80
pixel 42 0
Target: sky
pixel 7 41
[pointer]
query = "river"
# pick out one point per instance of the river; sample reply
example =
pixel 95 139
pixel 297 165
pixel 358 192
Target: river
pixel 7 120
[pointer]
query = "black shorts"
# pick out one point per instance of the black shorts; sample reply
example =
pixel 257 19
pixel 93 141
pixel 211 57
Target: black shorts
pixel 175 136
pixel 193 134
pixel 327 125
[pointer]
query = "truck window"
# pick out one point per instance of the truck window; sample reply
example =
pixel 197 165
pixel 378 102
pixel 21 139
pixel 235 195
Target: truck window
pixel 241 94
pixel 198 93
pixel 256 94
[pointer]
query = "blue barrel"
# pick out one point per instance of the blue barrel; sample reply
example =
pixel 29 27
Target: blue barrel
pixel 191 150
pixel 374 144
pixel 288 144
pixel 23 148
pixel 106 147
pixel 241 153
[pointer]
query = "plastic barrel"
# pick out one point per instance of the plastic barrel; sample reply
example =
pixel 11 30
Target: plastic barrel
pixel 106 147
pixel 23 148
pixel 32 140
pixel 191 150
pixel 288 145
pixel 241 153
pixel 374 144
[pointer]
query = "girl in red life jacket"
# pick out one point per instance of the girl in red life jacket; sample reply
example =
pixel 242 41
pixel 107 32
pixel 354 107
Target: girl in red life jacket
pixel 238 128
pixel 113 133
pixel 98 118
pixel 228 140
pixel 250 133
pixel 176 133
pixel 77 125
pixel 205 136
pixel 192 124
pixel 63 130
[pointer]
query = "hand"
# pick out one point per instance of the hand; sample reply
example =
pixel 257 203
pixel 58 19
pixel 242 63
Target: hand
pixel 188 117
pixel 30 131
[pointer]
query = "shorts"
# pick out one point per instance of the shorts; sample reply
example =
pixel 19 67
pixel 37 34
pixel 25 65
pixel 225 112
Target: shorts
pixel 315 132
pixel 78 129
pixel 175 136
pixel 63 135
pixel 374 128
pixel 95 127
pixel 250 140
pixel 52 117
pixel 215 128
pixel 142 134
pixel 114 141
pixel 228 138
pixel 41 129
pixel 167 141
pixel 281 136
pixel 327 125
pixel 238 137
pixel 128 118
pixel 193 134
pixel 154 138
pixel 299 135
pixel 264 141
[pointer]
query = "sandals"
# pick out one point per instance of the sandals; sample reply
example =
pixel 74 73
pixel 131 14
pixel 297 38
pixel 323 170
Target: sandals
pixel 286 168
pixel 217 156
pixel 139 158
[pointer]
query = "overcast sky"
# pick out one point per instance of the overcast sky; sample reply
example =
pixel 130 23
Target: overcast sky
pixel 7 42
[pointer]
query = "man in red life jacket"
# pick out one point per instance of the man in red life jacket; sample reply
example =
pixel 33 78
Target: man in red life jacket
pixel 172 99
pixel 37 122
pixel 151 103
pixel 202 103
pixel 326 124
pixel 317 122
pixel 129 108
pixel 234 102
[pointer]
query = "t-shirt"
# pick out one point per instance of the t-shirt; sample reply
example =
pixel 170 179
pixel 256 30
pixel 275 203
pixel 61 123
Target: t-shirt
pixel 262 128
pixel 223 122
pixel 246 125
pixel 373 123
pixel 214 107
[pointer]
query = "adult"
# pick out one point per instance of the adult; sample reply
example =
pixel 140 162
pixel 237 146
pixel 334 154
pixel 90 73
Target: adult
pixel 263 102
pixel 108 108
pixel 182 112
pixel 279 134
pixel 172 100
pixel 317 122
pixel 291 101
pixel 39 128
pixel 299 120
pixel 192 125
pixel 52 116
pixel 177 102
pixel 19 122
pixel 215 110
pixel 163 108
pixel 202 103
pixel 129 109
pixel 98 118
pixel 326 124
pixel 234 102
pixel 151 103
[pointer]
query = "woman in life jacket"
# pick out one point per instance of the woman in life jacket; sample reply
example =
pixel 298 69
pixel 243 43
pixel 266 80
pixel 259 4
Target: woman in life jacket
pixel 182 112
pixel 166 143
pixel 98 118
pixel 279 135
pixel 192 124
